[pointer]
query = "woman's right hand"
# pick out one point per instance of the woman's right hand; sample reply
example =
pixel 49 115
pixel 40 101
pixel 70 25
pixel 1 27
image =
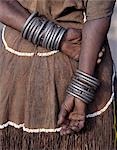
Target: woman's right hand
pixel 70 45
pixel 71 117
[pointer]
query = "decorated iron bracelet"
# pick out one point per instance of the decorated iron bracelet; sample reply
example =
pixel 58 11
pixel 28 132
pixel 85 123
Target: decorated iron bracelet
pixel 42 32
pixel 83 86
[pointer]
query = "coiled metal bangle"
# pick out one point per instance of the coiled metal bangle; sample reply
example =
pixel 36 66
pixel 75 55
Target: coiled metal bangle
pixel 42 32
pixel 83 86
pixel 28 21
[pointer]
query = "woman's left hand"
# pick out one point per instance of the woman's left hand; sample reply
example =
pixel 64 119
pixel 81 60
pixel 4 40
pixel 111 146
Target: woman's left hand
pixel 71 43
pixel 72 115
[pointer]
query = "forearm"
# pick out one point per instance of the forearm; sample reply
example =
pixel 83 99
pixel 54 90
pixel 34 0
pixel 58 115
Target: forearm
pixel 13 14
pixel 93 35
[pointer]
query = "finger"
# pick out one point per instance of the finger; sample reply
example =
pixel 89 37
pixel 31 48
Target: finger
pixel 81 124
pixel 64 127
pixel 75 129
pixel 76 126
pixel 73 34
pixel 76 53
pixel 79 32
pixel 66 107
pixel 71 50
pixel 61 118
pixel 76 41
pixel 66 131
pixel 67 46
pixel 76 116
pixel 74 123
pixel 66 124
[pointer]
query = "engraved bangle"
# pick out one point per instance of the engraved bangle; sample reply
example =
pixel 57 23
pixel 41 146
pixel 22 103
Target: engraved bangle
pixel 53 45
pixel 87 75
pixel 37 39
pixel 28 20
pixel 85 85
pixel 83 98
pixel 25 33
pixel 38 33
pixel 47 43
pixel 31 27
pixel 35 26
pixel 79 93
pixel 84 92
pixel 51 37
pixel 81 78
pixel 83 89
pixel 86 78
pixel 41 32
pixel 48 29
pixel 60 38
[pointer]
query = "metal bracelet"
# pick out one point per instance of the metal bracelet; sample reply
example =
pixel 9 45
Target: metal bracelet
pixel 85 80
pixel 87 75
pixel 43 32
pixel 53 43
pixel 39 33
pixel 62 32
pixel 34 27
pixel 48 42
pixel 25 33
pixel 28 21
pixel 78 78
pixel 83 86
pixel 47 30
pixel 81 94
pixel 50 39
pixel 87 90
pixel 90 95
pixel 78 95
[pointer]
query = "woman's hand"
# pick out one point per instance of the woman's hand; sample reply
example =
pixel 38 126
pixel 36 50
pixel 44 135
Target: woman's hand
pixel 72 115
pixel 71 45
pixel 71 42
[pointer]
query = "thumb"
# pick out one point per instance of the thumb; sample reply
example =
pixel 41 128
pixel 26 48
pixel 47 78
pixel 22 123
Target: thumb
pixel 62 115
pixel 66 108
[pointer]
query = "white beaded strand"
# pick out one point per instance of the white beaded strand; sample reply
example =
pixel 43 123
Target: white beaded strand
pixel 24 54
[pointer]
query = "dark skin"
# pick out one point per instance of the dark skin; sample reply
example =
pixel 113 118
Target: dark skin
pixel 10 10
pixel 72 113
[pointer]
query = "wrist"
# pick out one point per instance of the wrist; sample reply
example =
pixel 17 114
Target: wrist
pixel 83 86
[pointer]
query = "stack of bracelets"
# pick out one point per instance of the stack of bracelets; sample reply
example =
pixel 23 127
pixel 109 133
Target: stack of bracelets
pixel 83 86
pixel 42 32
